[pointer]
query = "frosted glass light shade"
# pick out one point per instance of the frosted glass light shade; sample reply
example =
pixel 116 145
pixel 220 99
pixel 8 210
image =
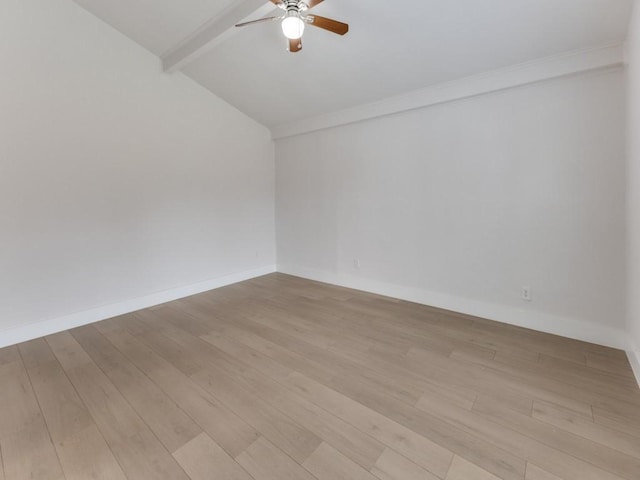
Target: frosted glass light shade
pixel 292 27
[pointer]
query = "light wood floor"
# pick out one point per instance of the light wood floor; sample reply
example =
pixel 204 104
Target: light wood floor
pixel 281 378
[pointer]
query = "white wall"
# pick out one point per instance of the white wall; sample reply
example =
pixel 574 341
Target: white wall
pixel 116 181
pixel 461 204
pixel 633 186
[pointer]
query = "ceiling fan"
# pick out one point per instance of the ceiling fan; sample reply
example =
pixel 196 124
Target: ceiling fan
pixel 295 18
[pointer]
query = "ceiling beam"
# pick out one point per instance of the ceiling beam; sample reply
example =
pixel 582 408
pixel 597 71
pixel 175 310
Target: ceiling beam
pixel 213 33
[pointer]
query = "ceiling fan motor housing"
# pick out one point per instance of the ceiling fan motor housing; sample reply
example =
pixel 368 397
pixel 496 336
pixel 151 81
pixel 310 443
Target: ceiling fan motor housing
pixel 294 7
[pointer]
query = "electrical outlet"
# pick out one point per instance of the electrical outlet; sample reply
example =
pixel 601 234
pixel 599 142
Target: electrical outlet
pixel 526 294
pixel 356 263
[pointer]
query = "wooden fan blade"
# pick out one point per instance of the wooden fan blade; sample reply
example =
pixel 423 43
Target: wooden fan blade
pixel 295 45
pixel 276 2
pixel 313 3
pixel 244 24
pixel 328 24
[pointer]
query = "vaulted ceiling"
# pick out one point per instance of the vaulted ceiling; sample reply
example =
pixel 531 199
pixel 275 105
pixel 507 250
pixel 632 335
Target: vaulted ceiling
pixel 393 47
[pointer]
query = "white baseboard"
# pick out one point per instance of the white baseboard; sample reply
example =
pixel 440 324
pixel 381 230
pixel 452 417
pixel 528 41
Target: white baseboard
pixel 634 360
pixel 557 325
pixel 24 333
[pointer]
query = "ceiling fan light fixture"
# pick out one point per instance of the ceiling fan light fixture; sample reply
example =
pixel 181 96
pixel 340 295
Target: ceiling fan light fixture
pixel 293 27
pixel 294 20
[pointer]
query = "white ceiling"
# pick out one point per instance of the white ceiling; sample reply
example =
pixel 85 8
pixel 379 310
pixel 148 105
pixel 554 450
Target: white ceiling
pixel 157 25
pixel 388 51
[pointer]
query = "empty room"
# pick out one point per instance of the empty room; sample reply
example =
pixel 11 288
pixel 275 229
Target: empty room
pixel 319 240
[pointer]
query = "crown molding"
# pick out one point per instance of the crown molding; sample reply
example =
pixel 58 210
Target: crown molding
pixel 557 66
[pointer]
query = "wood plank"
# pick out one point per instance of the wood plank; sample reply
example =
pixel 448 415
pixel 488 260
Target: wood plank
pixel 181 318
pixel 393 466
pixel 475 437
pixel 63 410
pixel 615 407
pixel 433 370
pixel 283 355
pixel 523 340
pixel 231 432
pixel 406 389
pixel 579 425
pixel 9 355
pixel 19 405
pixel 327 463
pixel 68 352
pixel 387 370
pixel 537 473
pixel 164 346
pixel 444 328
pixel 196 350
pixel 81 448
pixel 621 423
pixel 463 470
pixel 619 378
pixel 248 356
pixel 520 407
pixel 264 461
pixel 405 385
pixel 369 327
pixel 247 403
pixel 202 456
pixel 471 353
pixel 422 451
pixel 443 396
pixel 515 386
pixel 137 449
pixel 28 453
pixel 618 365
pixel 595 388
pixel 444 430
pixel 560 453
pixel 168 422
pixel 27 450
pixel 354 444
pixel 86 455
